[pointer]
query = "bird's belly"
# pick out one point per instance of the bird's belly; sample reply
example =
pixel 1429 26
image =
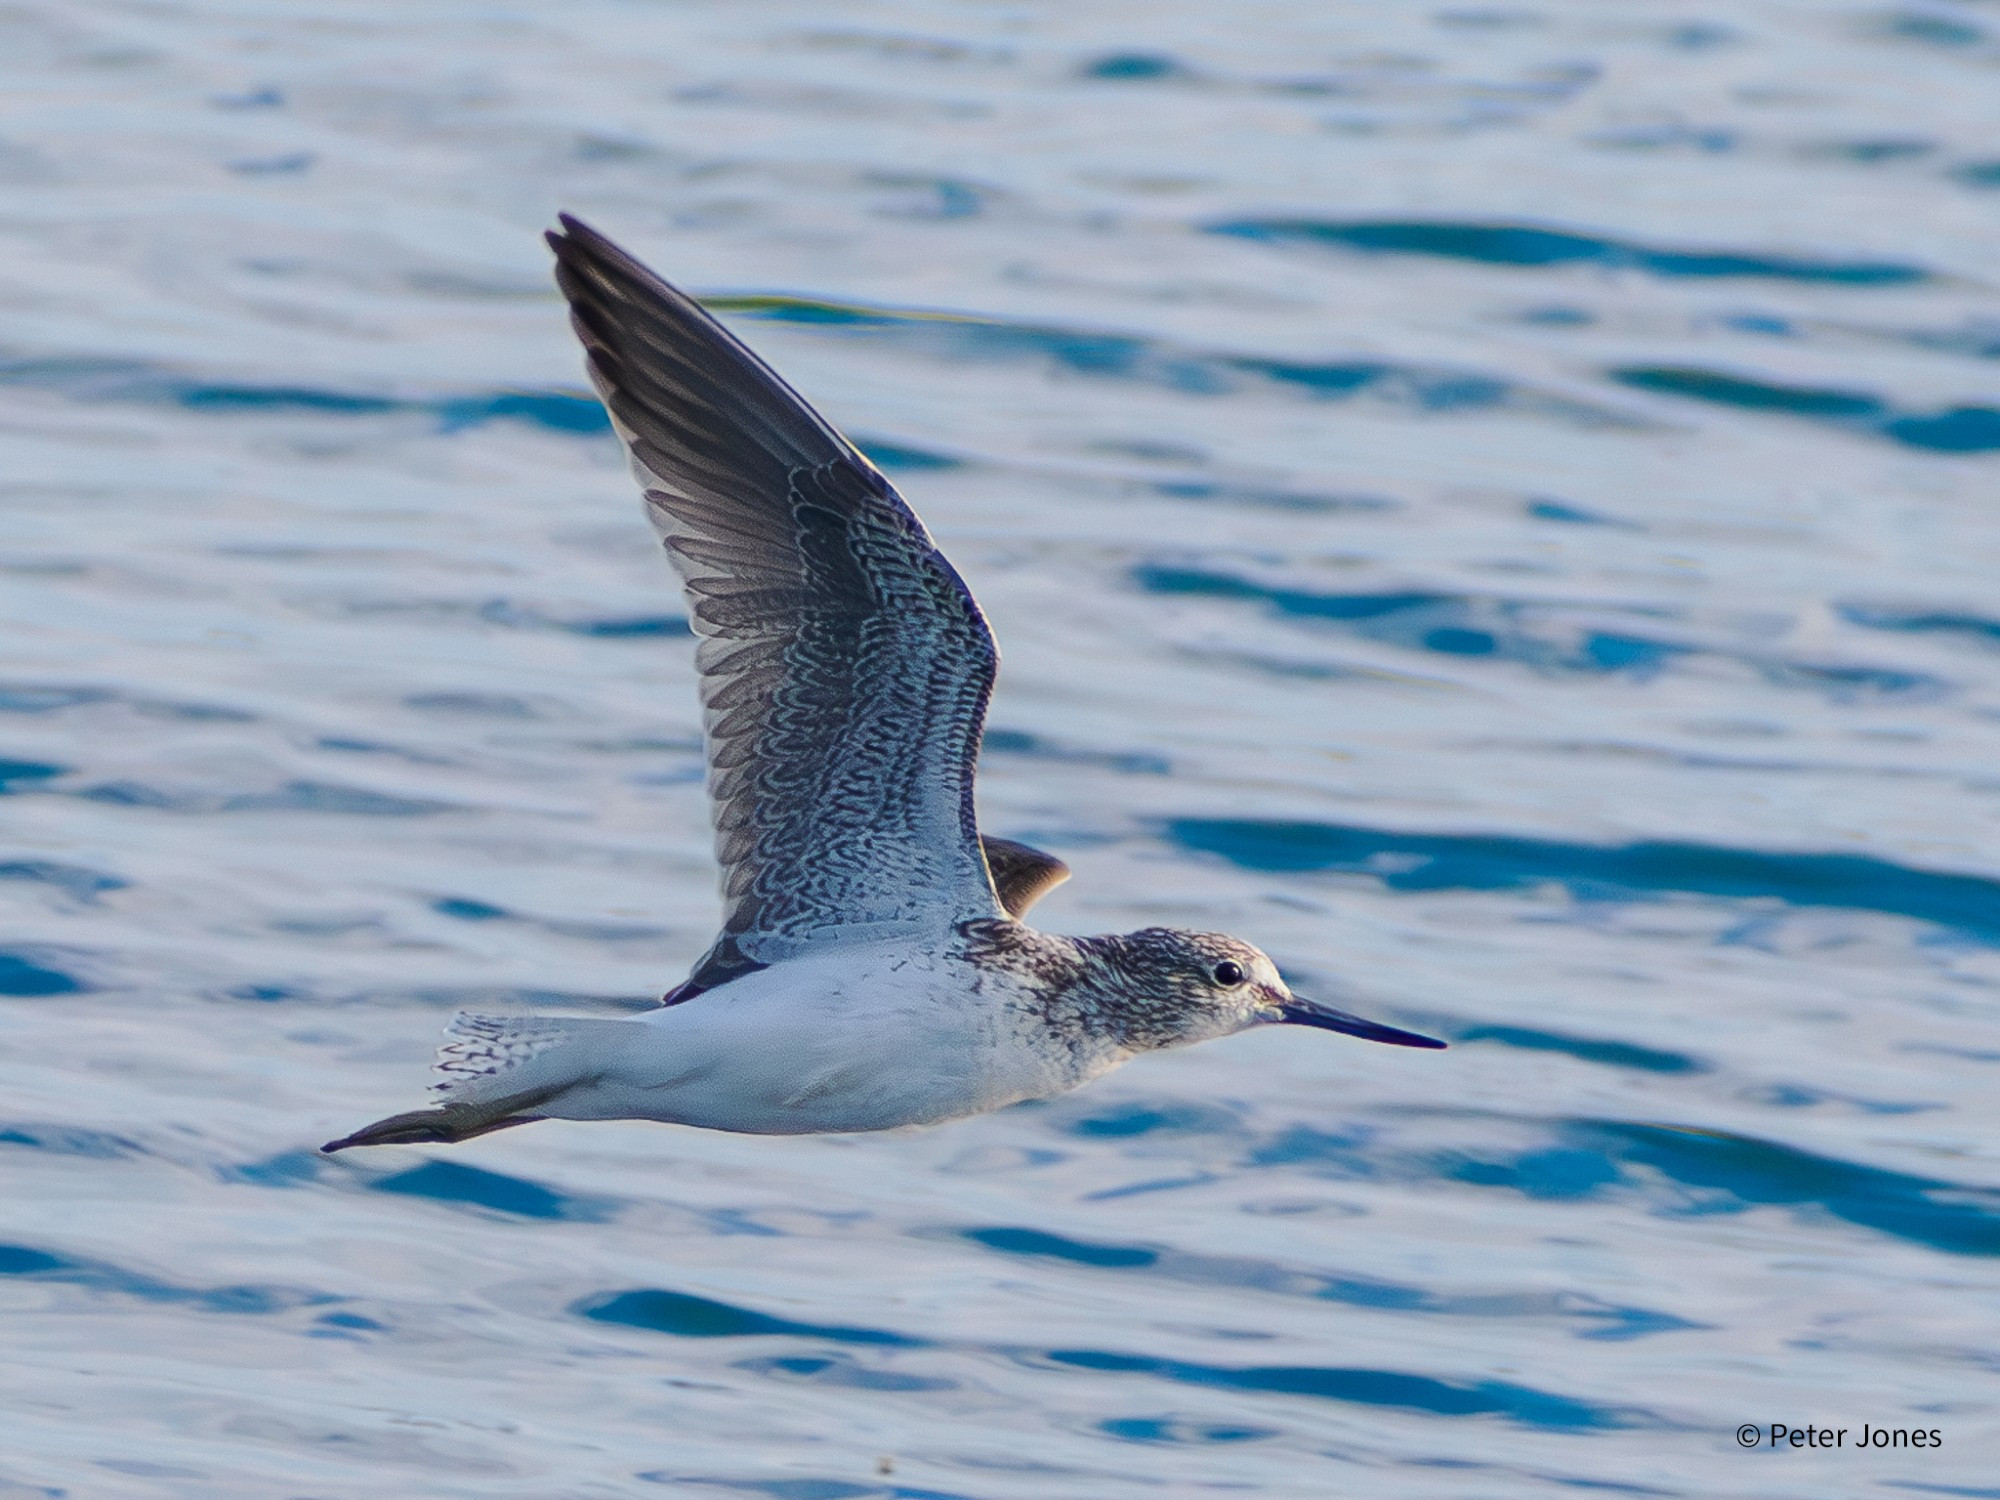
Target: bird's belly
pixel 802 1093
pixel 845 1096
pixel 771 1060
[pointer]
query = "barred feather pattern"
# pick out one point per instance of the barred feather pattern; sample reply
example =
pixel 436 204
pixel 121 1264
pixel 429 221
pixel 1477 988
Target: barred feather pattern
pixel 481 1046
pixel 845 667
pixel 843 689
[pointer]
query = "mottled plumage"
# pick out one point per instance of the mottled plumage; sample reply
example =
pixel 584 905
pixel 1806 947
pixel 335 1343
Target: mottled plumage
pixel 872 969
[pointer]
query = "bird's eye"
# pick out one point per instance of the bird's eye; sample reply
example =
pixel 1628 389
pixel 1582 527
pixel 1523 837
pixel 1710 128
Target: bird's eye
pixel 1228 973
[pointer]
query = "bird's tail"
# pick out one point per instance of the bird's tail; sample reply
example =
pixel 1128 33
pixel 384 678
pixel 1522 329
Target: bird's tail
pixel 481 1055
pixel 492 1073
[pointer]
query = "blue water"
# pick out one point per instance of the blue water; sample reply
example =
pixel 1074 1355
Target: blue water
pixel 1496 504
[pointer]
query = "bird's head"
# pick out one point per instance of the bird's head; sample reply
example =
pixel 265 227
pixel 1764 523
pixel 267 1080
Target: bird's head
pixel 1173 988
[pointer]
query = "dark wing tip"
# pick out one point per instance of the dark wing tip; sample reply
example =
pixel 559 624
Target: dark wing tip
pixel 674 375
pixel 578 246
pixel 579 249
pixel 575 236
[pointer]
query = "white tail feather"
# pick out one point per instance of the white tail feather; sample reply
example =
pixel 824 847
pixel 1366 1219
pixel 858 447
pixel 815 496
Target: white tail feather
pixel 481 1047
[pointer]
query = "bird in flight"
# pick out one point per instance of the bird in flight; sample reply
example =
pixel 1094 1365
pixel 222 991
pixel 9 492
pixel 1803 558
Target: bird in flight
pixel 873 968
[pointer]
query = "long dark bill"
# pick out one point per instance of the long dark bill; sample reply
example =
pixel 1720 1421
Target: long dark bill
pixel 1299 1012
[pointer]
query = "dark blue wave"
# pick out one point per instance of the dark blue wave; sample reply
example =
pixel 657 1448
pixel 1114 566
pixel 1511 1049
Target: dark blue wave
pixel 474 1187
pixel 1532 245
pixel 67 1140
pixel 1036 1242
pixel 346 745
pixel 1530 633
pixel 555 411
pixel 603 627
pixel 46 697
pixel 1168 1430
pixel 42 698
pixel 1716 1172
pixel 1576 515
pixel 558 411
pixel 478 705
pixel 1519 1404
pixel 467 910
pixel 1956 429
pixel 1123 1120
pixel 1931 28
pixel 1267 497
pixel 269 994
pixel 840 1370
pixel 293 796
pixel 287 1169
pixel 33 1264
pixel 346 1325
pixel 1160 363
pixel 684 1316
pixel 1135 67
pixel 1870 151
pixel 1969 904
pixel 275 992
pixel 1128 357
pixel 799 1489
pixel 1799 1096
pixel 1348 1150
pixel 1919 621
pixel 72 880
pixel 514 616
pixel 25 773
pixel 203 397
pixel 1019 742
pixel 689 1317
pixel 507 999
pixel 1450 624
pixel 1609 1054
pixel 1593 1319
pixel 1670 1171
pixel 134 381
pixel 331 797
pixel 898 455
pixel 30 977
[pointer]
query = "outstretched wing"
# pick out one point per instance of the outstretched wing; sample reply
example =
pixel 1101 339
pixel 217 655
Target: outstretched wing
pixel 844 665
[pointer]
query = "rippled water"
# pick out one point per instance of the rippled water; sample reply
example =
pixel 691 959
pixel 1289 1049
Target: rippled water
pixel 1495 503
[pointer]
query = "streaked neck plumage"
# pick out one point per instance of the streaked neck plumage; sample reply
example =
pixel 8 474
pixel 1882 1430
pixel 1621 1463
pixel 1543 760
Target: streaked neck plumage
pixel 1116 994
